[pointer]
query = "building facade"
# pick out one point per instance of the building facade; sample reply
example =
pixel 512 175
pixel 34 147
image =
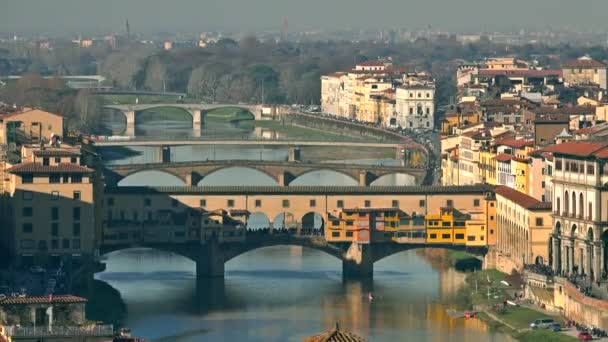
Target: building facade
pixel 585 70
pixel 415 106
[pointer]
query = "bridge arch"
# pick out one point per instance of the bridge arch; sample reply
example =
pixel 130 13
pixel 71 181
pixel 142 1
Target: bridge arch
pixel 394 179
pixel 177 249
pixel 307 177
pixel 235 179
pixel 287 242
pixel 258 221
pixel 313 223
pixel 142 178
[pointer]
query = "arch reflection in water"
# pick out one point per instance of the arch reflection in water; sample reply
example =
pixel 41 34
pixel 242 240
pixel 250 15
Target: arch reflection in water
pixel 237 176
pixel 285 294
pixel 151 178
pixel 324 177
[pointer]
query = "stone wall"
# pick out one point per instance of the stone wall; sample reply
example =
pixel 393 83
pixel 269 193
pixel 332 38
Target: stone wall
pixel 578 307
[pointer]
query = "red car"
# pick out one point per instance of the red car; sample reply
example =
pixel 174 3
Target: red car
pixel 585 336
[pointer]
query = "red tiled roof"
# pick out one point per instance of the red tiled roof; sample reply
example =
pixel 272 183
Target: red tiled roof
pixel 504 157
pixel 385 71
pixel 521 199
pixel 602 154
pixel 578 110
pixel 372 63
pixel 576 148
pixel 43 300
pixel 56 153
pixel 583 63
pixel 520 73
pixel 39 168
pixel 515 143
pixel 521 160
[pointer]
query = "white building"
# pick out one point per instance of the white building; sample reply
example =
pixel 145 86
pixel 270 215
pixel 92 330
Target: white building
pixel 415 106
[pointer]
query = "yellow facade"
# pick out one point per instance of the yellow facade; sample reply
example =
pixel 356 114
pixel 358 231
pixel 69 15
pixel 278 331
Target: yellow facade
pixel 449 226
pixel 522 173
pixel 487 166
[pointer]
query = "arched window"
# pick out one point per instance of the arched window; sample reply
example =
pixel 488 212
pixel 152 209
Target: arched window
pixel 419 109
pixel 590 211
pixel 581 205
pixel 557 204
pixel 573 204
pixel 566 203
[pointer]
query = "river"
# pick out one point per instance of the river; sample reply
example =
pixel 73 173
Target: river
pixel 283 293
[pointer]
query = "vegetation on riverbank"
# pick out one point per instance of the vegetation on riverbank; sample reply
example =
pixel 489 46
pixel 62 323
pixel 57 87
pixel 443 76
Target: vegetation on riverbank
pixel 104 303
pixel 304 133
pixel 464 261
pixel 543 336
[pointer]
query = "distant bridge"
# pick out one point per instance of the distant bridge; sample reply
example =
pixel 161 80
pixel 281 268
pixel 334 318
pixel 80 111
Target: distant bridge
pixel 283 172
pixel 195 110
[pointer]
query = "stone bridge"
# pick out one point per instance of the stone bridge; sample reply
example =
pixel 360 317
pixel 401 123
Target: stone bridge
pixel 283 172
pixel 210 256
pixel 196 110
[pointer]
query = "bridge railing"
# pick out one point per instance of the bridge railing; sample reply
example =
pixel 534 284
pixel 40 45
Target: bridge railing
pixel 242 137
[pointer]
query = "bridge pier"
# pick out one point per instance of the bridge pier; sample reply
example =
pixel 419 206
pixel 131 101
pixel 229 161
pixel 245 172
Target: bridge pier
pixel 163 154
pixel 358 263
pixel 400 155
pixel 196 122
pixel 209 262
pixel 366 178
pixel 130 130
pixel 193 178
pixel 285 178
pixel 294 154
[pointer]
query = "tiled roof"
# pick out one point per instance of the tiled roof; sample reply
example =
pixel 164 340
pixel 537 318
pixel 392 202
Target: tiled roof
pixel 578 110
pixel 39 168
pixel 56 153
pixel 576 148
pixel 43 300
pixel 553 118
pixel 504 157
pixel 385 71
pixel 521 199
pixel 515 143
pixel 372 63
pixel 522 72
pixel 583 63
pixel 282 190
pixel 335 335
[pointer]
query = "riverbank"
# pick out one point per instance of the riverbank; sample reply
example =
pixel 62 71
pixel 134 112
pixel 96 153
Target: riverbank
pixel 486 293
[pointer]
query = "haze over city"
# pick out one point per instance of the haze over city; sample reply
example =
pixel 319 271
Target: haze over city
pixel 63 16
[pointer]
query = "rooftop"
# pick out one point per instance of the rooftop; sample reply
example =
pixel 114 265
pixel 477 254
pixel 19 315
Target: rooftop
pixel 521 199
pixel 515 143
pixel 39 168
pixel 583 62
pixel 42 300
pixel 335 335
pixel 578 148
pixel 521 72
pixel 57 152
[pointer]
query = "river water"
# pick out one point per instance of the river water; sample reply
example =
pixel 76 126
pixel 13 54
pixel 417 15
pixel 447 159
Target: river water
pixel 284 293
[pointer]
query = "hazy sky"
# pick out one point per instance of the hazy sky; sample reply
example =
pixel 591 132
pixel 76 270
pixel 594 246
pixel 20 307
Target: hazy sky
pixel 59 16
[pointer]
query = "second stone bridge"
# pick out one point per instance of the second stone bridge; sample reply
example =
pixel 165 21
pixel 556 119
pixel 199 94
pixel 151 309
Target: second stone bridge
pixel 282 171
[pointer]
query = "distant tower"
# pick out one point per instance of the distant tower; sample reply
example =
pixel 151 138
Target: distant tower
pixel 284 30
pixel 128 32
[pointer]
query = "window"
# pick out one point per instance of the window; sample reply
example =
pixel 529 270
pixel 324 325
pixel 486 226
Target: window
pixel 395 204
pixel 476 202
pixel 432 236
pixel 492 204
pixel 45 161
pixel 57 160
pixel 147 202
pixel 428 110
pixel 445 224
pixel 590 169
pixel 73 160
pixel 312 203
pixel 335 234
pixel 76 229
pixel 471 238
pixel 349 234
pixel 421 203
pixel 558 165
pixel 27 178
pixel 449 203
pixel 174 203
pixel 28 227
pixel 285 203
pixel 202 203
pixel 459 236
pixel 445 236
pixel 258 203
pixel 76 213
pixel 411 110
pixel 340 204
pixel 27 211
pixel 349 223
pixel 27 195
pixel 54 213
pixel 491 217
pixel 54 179
pixel 367 203
pixel 55 229
pixel 76 195
pixel 76 178
pixel 230 203
pixel 66 244
pixel 539 221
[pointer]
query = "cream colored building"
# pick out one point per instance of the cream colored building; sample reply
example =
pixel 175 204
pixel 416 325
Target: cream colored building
pixel 415 106
pixel 332 93
pixel 585 70
pixel 33 123
pixel 523 226
pixel 52 201
pixel 579 239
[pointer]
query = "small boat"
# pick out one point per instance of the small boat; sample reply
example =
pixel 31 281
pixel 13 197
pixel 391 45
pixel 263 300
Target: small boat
pixel 470 314
pixel 505 283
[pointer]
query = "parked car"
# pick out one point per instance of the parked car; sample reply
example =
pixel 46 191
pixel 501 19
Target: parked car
pixel 555 327
pixel 542 323
pixel 37 269
pixel 585 336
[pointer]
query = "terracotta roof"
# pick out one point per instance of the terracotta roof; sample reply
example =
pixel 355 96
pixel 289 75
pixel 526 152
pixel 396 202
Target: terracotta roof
pixel 523 72
pixel 501 102
pixel 385 71
pixel 43 300
pixel 578 110
pixel 521 199
pixel 504 157
pixel 39 168
pixel 25 111
pixel 553 119
pixel 583 63
pixel 576 148
pixel 56 153
pixel 521 160
pixel 335 335
pixel 515 143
